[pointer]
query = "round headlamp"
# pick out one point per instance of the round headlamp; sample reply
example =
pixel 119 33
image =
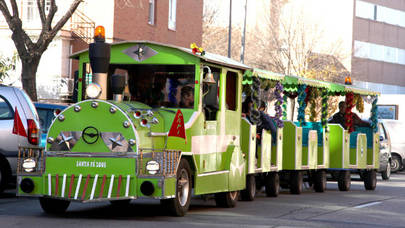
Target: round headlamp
pixel 152 167
pixel 29 165
pixel 93 91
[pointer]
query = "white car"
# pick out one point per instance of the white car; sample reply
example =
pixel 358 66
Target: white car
pixel 395 128
pixel 20 129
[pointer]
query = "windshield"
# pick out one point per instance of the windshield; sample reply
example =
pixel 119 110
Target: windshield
pixel 170 86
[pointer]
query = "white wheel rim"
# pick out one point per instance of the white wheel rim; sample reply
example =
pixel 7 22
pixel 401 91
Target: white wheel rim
pixel 233 195
pixel 183 186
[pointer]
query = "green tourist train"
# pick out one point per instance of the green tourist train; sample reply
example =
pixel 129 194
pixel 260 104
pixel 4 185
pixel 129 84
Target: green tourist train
pixel 165 122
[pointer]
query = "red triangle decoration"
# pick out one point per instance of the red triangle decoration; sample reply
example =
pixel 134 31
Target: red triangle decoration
pixel 177 129
pixel 18 128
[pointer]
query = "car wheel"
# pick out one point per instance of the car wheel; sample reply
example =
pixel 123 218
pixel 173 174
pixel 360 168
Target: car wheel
pixel 395 163
pixel 4 175
pixel 386 174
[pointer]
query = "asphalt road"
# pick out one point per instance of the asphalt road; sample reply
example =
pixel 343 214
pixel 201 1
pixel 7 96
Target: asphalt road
pixel 358 208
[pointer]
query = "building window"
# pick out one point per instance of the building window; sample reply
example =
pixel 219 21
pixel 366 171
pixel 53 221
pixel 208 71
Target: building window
pixel 172 14
pixel 30 10
pixel 380 13
pixel 151 18
pixel 379 52
pixel 365 10
pixel 361 49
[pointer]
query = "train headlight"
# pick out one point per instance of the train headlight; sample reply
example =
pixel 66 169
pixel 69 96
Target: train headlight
pixel 93 91
pixel 152 167
pixel 29 165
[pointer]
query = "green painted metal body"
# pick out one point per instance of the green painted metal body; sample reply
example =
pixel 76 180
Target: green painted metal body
pixel 339 147
pixel 292 147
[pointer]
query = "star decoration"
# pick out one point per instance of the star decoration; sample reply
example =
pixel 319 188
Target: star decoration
pixel 115 141
pixel 65 140
pixel 140 52
pixel 238 166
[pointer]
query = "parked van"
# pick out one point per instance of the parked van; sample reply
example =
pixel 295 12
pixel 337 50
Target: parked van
pixel 395 128
pixel 19 126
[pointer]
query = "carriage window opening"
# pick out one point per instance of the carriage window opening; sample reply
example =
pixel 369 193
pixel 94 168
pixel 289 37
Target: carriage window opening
pixel 170 86
pixel 231 87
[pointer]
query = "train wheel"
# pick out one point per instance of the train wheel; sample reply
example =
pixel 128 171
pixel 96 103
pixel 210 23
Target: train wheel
pixel 249 193
pixel 320 181
pixel 370 179
pixel 178 206
pixel 272 184
pixel 344 180
pixel 296 182
pixel 53 206
pixel 226 199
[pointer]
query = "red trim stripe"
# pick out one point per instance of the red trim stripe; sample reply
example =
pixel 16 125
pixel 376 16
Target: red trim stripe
pixel 119 186
pixel 85 186
pixel 102 186
pixel 56 184
pixel 72 180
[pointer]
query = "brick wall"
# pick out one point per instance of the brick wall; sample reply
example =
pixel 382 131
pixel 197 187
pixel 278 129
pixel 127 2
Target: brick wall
pixel 131 22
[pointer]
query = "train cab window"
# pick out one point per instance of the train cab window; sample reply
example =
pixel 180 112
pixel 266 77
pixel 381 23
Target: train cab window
pixel 169 86
pixel 231 90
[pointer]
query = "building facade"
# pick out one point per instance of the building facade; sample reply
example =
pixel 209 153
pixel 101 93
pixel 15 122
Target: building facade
pixel 379 45
pixel 177 22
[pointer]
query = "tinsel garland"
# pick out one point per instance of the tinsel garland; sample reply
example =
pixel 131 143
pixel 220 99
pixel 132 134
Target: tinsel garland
pixel 358 100
pixel 255 89
pixel 324 115
pixel 302 95
pixel 374 114
pixel 312 101
pixel 173 84
pixel 278 104
pixel 285 97
pixel 348 112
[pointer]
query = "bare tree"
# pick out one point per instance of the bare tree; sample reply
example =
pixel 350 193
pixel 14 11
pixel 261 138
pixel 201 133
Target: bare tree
pixel 30 51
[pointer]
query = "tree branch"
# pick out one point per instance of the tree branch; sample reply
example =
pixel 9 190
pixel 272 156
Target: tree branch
pixel 46 37
pixel 14 7
pixel 51 14
pixel 41 10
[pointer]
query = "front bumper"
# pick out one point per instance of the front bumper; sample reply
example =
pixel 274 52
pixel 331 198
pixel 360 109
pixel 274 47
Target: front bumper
pixel 96 178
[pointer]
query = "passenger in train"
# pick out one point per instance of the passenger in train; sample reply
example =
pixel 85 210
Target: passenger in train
pixel 266 123
pixel 187 97
pixel 339 117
